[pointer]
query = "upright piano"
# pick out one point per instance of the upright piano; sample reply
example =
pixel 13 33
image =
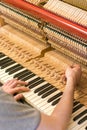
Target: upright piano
pixel 38 40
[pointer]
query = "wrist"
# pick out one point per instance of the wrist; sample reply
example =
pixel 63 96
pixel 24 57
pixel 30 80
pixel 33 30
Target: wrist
pixel 71 83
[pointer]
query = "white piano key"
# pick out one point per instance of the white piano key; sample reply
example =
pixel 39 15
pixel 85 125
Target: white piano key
pixel 2 71
pixel 31 93
pixel 47 105
pixel 9 77
pixel 73 124
pixel 78 111
pixel 30 79
pixel 44 100
pixel 83 126
pixel 79 127
pixel 3 57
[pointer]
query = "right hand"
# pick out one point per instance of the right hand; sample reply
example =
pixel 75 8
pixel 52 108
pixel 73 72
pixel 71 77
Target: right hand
pixel 73 74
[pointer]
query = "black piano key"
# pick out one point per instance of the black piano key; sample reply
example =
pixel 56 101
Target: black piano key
pixel 75 103
pixel 41 88
pixel 5 60
pixel 45 90
pixel 82 120
pixel 86 128
pixel 28 77
pixel 34 80
pixel 55 102
pixel 2 55
pixel 54 97
pixel 49 92
pixel 79 115
pixel 77 107
pixel 15 69
pixel 11 68
pixel 7 64
pixel 22 74
pixel 36 83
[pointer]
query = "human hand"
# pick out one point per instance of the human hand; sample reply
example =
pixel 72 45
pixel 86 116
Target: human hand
pixel 15 87
pixel 73 74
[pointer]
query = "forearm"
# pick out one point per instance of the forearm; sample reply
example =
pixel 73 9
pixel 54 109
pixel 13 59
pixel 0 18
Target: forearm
pixel 63 110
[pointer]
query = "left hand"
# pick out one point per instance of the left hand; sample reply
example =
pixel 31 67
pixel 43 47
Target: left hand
pixel 15 87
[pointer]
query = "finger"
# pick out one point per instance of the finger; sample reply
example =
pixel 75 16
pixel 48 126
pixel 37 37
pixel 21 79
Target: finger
pixel 17 82
pixel 18 97
pixel 63 78
pixel 9 82
pixel 76 66
pixel 22 82
pixel 19 90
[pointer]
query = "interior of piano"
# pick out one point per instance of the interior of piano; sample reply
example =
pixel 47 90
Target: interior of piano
pixel 32 43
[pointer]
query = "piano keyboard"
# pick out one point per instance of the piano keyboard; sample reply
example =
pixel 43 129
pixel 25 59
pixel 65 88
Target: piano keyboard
pixel 43 95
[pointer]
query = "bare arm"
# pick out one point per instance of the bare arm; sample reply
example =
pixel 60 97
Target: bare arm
pixel 61 115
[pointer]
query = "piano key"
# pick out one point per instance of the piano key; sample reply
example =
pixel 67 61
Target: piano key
pixel 36 83
pixel 9 77
pixel 5 60
pixel 73 123
pixel 46 107
pixel 39 99
pixel 78 110
pixel 45 90
pixel 77 107
pixel 42 102
pixel 32 78
pixel 84 127
pixel 75 103
pixel 7 64
pixel 1 55
pixel 79 115
pixel 3 71
pixel 41 88
pixel 49 92
pixel 31 93
pixel 7 68
pixel 75 126
pixel 54 97
pixel 23 73
pixel 16 69
pixel 83 119
pixel 55 102
pixel 12 68
pixel 28 77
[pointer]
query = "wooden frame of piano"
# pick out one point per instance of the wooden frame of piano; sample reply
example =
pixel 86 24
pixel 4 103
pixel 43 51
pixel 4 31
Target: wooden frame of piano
pixel 49 17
